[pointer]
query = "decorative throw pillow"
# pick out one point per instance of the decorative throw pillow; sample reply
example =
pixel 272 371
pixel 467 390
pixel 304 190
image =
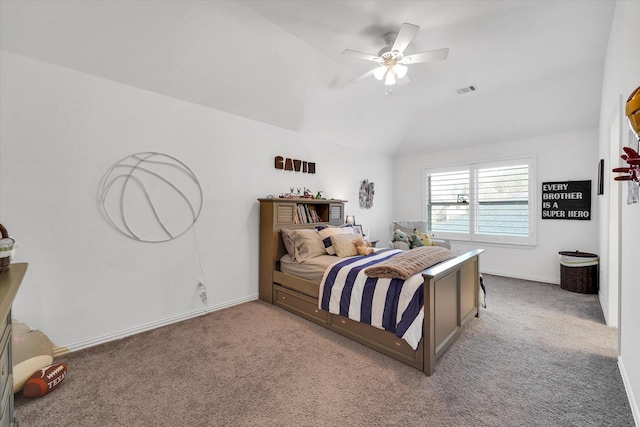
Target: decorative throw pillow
pixel 327 232
pixel 307 243
pixel 344 244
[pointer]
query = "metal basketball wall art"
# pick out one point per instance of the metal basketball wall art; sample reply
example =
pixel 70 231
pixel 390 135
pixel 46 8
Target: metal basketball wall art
pixel 151 197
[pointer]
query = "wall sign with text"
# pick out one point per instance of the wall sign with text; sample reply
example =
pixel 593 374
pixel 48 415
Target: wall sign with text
pixel 566 200
pixel 294 165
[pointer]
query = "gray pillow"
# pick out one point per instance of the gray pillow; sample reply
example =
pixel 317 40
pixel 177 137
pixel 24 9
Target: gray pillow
pixel 285 234
pixel 308 244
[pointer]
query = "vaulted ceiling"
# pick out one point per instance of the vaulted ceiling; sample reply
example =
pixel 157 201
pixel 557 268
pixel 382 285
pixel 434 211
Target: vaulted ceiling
pixel 537 65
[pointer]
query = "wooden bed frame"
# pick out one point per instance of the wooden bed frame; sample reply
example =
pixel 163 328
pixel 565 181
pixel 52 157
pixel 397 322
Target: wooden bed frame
pixel 451 297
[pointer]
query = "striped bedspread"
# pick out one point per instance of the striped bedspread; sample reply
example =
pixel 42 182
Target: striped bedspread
pixel 394 305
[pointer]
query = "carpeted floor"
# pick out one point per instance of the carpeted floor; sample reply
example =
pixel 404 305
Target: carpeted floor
pixel 536 356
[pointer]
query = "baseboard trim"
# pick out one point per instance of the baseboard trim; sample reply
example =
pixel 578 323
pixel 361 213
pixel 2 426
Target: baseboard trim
pixel 551 280
pixel 61 351
pixel 627 386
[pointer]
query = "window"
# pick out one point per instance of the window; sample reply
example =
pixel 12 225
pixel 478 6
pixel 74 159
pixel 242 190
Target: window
pixel 486 202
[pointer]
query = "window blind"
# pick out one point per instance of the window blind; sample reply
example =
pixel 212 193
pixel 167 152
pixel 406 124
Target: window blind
pixel 490 202
pixel 503 201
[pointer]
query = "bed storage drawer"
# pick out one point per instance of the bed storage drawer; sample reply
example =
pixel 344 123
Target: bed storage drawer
pixel 383 341
pixel 299 304
pixel 297 284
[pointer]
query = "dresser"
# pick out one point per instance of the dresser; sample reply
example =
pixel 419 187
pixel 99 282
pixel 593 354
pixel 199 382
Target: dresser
pixel 10 281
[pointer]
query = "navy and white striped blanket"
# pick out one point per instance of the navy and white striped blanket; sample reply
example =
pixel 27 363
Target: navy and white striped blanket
pixel 394 305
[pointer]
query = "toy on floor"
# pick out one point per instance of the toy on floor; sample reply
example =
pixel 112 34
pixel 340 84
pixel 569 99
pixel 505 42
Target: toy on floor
pixel 31 351
pixel 45 380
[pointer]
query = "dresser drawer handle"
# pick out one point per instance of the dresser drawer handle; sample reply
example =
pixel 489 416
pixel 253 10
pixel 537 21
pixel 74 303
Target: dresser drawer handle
pixel 344 322
pixel 4 370
pixel 284 298
pixel 398 343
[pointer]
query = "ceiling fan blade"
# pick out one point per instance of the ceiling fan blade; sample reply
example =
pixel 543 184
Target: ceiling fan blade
pixel 361 55
pixel 432 55
pixel 363 77
pixel 405 35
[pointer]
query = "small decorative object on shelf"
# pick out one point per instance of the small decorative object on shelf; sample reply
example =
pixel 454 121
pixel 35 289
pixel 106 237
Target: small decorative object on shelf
pixel 308 194
pixel 6 248
pixel 299 193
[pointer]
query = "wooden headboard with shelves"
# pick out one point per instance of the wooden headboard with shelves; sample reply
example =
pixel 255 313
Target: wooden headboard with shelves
pixel 277 213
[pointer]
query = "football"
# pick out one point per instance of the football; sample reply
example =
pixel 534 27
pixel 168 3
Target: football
pixel 45 380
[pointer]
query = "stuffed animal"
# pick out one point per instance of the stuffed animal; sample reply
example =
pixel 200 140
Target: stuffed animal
pixel 426 239
pixel 400 236
pixel 415 241
pixel 363 248
pixel 400 240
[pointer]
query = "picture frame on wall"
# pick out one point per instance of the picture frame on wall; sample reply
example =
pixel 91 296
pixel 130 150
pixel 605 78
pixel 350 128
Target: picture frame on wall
pixel 601 177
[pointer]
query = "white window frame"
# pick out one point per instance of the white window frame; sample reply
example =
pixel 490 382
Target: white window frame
pixel 472 235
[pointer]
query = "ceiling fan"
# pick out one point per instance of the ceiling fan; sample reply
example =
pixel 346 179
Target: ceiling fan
pixel 391 59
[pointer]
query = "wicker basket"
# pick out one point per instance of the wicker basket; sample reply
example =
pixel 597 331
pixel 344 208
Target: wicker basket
pixel 6 246
pixel 579 272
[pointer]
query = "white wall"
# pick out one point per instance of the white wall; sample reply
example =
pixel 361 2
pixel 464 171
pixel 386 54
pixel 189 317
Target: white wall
pixel 571 156
pixel 62 130
pixel 621 77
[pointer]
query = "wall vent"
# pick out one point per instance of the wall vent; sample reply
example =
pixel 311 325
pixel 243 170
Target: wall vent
pixel 466 89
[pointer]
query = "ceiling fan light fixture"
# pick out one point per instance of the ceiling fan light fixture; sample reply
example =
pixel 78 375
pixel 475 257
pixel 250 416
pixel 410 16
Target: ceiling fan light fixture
pixel 379 72
pixel 391 78
pixel 400 70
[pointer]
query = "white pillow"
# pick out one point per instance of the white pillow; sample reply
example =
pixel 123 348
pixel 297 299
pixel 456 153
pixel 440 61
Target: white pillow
pixel 344 244
pixel 326 233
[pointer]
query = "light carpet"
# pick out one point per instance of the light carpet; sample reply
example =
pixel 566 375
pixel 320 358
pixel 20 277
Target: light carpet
pixel 536 356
